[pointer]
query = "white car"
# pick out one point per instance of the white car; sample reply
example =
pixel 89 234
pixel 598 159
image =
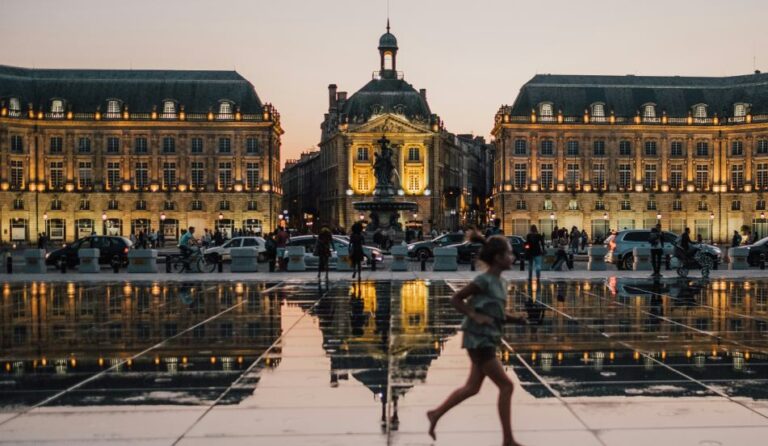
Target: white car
pixel 240 242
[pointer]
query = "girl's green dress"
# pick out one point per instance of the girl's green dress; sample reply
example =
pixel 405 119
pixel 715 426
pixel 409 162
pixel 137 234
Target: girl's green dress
pixel 490 301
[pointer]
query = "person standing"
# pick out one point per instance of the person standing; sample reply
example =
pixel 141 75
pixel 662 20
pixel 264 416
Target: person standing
pixel 575 240
pixel 483 303
pixel 356 253
pixel 535 249
pixel 656 240
pixel 584 240
pixel 323 252
pixel 736 241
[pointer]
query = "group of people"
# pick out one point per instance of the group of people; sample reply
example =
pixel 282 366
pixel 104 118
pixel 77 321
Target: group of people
pixel 150 239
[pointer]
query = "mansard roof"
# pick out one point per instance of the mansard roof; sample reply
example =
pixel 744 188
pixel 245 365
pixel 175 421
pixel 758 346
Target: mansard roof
pixel 382 95
pixel 626 95
pixel 140 90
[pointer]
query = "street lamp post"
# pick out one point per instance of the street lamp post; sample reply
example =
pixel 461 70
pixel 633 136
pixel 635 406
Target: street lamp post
pixel 104 222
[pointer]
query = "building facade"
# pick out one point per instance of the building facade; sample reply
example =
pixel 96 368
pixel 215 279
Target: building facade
pixel 429 160
pixel 122 151
pixel 616 152
pixel 301 183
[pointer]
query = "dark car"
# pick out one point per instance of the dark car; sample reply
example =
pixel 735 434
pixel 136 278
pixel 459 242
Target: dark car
pixel 109 247
pixel 518 246
pixel 467 249
pixel 423 249
pixel 757 252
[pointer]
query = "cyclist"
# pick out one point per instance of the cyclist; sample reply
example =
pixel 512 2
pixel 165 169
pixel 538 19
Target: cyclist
pixel 186 242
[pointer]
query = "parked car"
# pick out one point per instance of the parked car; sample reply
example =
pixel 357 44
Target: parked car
pixel 308 242
pixel 757 252
pixel 620 248
pixel 423 249
pixel 109 247
pixel 467 249
pixel 240 242
pixel 518 246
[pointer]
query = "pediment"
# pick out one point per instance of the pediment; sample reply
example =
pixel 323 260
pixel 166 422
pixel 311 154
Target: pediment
pixel 388 123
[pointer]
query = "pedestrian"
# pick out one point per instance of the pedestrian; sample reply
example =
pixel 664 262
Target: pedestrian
pixel 433 233
pixel 699 238
pixel 356 254
pixel 584 240
pixel 554 235
pixel 610 238
pixel 736 241
pixel 575 239
pixel 132 238
pixel 656 240
pixel 142 240
pixel 323 251
pixel 534 249
pixel 483 303
pixel 271 251
pixel 561 255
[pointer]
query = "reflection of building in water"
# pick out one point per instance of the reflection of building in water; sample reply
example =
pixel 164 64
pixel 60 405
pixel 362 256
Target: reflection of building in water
pixel 383 334
pixel 627 330
pixel 51 333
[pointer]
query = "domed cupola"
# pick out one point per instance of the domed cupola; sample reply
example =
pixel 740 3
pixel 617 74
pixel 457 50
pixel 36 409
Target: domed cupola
pixel 388 53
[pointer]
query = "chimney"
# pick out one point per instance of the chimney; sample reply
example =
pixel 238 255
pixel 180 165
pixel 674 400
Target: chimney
pixel 341 97
pixel 757 71
pixel 332 97
pixel 423 93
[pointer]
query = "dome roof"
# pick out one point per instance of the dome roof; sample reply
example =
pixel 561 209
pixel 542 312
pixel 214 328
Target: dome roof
pixel 386 96
pixel 387 41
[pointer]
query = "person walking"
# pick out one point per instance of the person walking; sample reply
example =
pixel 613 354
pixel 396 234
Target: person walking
pixel 584 240
pixel 535 249
pixel 323 252
pixel 561 256
pixel 482 302
pixel 736 241
pixel 271 251
pixel 575 239
pixel 356 254
pixel 656 240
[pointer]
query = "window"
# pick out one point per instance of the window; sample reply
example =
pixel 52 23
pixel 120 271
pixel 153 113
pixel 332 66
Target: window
pixel 761 172
pixel 762 146
pixel 676 149
pixel 252 146
pixel 703 206
pixel 572 176
pixel 57 107
pixel 737 148
pixel 548 206
pixel 677 204
pixel 362 153
pixel 197 169
pixel 113 175
pixel 521 147
pixel 649 111
pixel 141 205
pixel 598 148
pixel 18 204
pixel 736 205
pixel 55 204
pixel 225 145
pixel 141 175
pixel 85 175
pixel 625 176
pixel 413 154
pixel 546 178
pixel 650 148
pixel 414 182
pixel 625 148
pixel 84 144
pixel 737 177
pixel 224 205
pixel 548 147
pixel 700 111
pixel 252 205
pixel 649 181
pixel 598 176
pixel 599 205
pixel 84 204
pixel 169 109
pixel 197 145
pixel 521 205
pixel 702 177
pixel 702 148
pixel 225 176
pixel 650 205
pixel 113 205
pixel 56 144
pixel 676 176
pixel 572 148
pixel 625 205
pixel 521 175
pixel 113 144
pixel 573 205
pixel 140 145
pixel 225 110
pixel 169 205
pixel 196 205
pixel 17 175
pixel 169 144
pixel 56 175
pixel 14 107
pixel 113 108
pixel 740 110
pixel 546 110
pixel 598 112
pixel 169 175
pixel 252 176
pixel 760 205
pixel 362 181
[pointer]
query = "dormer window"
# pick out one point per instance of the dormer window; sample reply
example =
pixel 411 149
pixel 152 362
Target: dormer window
pixel 57 106
pixel 740 110
pixel 113 106
pixel 700 111
pixel 546 110
pixel 14 106
pixel 225 110
pixel 169 109
pixel 649 111
pixel 598 111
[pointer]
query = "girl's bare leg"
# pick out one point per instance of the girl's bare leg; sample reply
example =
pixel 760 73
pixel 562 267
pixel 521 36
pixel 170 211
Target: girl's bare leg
pixel 495 371
pixel 470 388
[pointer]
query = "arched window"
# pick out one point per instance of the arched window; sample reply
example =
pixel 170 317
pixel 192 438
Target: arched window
pixel 113 106
pixel 225 110
pixel 739 110
pixel 169 109
pixel 598 111
pixel 388 60
pixel 546 110
pixel 14 106
pixel 649 111
pixel 57 106
pixel 700 111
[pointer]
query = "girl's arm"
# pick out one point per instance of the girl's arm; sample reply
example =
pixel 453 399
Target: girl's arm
pixel 459 302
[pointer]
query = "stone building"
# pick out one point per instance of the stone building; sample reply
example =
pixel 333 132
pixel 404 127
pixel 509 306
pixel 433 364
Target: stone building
pixel 428 158
pixel 615 152
pixel 121 151
pixel 301 182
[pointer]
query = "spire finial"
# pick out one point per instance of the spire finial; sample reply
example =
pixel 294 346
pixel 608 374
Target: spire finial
pixel 387 24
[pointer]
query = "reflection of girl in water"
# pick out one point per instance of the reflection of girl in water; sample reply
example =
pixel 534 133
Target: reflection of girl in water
pixel 483 302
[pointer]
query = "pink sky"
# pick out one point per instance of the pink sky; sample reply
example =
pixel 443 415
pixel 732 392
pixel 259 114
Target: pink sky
pixel 471 56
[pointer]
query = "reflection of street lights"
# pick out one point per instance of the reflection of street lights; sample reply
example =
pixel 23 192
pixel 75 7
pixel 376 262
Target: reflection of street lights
pixel 45 224
pixel 712 226
pixel 453 217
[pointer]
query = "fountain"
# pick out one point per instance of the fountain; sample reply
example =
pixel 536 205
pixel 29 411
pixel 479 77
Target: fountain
pixel 384 210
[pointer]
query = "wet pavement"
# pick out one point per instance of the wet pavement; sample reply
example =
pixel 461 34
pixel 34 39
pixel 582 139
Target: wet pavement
pixel 604 361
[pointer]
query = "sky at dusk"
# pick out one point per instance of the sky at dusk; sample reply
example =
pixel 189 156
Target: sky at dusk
pixel 471 56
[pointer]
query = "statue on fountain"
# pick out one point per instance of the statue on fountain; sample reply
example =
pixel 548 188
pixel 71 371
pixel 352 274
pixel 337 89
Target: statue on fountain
pixel 383 167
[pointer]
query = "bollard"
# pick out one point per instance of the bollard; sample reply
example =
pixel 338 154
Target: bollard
pixel 668 262
pixel 116 264
pixel 472 266
pixel 762 261
pixel 167 264
pixel 220 263
pixel 271 265
pixel 522 264
pixel 9 264
pixel 373 262
pixel 423 264
pixel 63 266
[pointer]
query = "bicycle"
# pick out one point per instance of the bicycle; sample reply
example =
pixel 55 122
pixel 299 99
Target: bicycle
pixel 205 263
